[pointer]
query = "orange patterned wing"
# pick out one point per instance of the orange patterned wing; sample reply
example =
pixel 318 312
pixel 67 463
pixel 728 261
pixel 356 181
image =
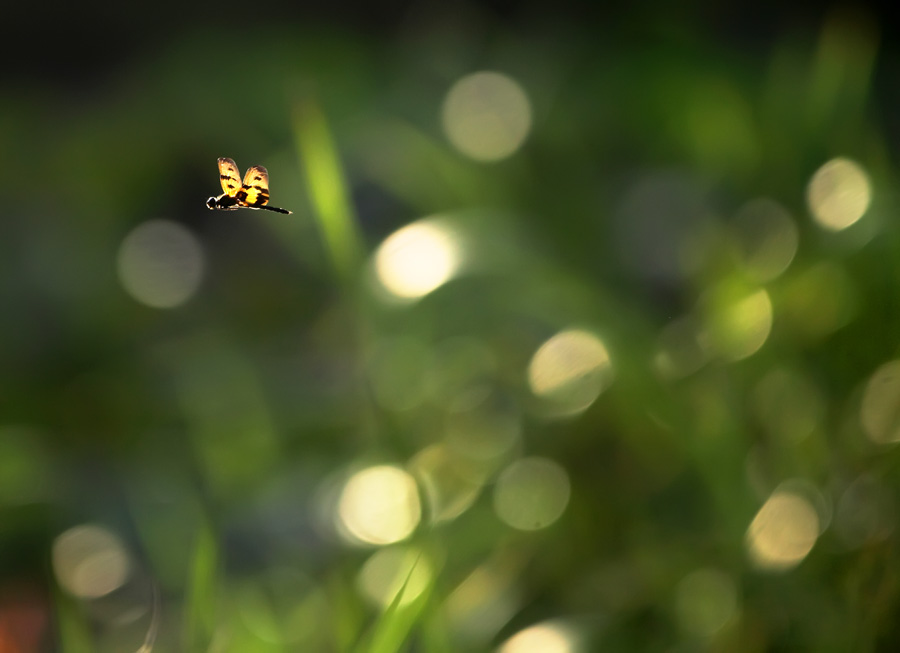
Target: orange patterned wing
pixel 230 176
pixel 255 191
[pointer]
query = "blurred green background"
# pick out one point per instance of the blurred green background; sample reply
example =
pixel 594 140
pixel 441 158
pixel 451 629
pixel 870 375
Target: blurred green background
pixel 581 335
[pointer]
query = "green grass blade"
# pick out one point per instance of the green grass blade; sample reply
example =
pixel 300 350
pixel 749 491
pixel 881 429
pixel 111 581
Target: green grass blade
pixel 74 630
pixel 394 625
pixel 327 188
pixel 200 603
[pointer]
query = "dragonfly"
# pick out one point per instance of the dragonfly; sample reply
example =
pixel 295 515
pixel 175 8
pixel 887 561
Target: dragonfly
pixel 253 193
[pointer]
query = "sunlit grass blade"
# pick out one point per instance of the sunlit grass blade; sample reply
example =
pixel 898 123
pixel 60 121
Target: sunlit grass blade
pixel 393 626
pixel 327 187
pixel 200 602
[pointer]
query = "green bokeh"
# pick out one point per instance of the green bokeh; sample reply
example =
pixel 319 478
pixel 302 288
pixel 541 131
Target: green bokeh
pixel 213 437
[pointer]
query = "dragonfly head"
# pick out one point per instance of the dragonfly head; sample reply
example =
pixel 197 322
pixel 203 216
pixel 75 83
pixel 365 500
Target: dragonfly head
pixel 211 203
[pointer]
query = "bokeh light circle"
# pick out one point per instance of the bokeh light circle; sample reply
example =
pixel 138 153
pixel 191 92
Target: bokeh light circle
pixel 546 637
pixel 817 301
pixel 766 238
pixel 570 370
pixel 379 505
pixel 486 116
pixel 705 601
pixel 161 264
pixel 880 410
pixel 531 493
pixel 680 350
pixel 450 484
pixel 783 532
pixel 389 570
pixel 866 512
pixel 739 321
pixel 418 259
pixel 484 432
pixel 90 561
pixel 839 194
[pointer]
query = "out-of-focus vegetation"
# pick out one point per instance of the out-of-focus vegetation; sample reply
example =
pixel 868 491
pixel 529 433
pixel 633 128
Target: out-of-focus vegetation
pixel 575 341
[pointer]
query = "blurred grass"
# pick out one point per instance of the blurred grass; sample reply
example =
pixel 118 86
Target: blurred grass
pixel 202 593
pixel 327 188
pixel 74 629
pixel 393 626
pixel 225 422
